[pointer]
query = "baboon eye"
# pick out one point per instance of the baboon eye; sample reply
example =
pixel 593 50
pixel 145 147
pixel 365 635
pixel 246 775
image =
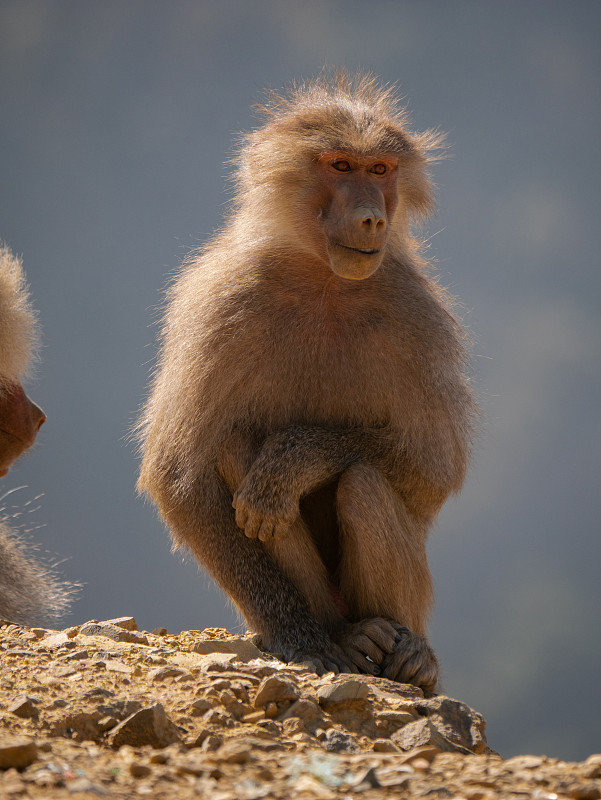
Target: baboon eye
pixel 379 169
pixel 341 165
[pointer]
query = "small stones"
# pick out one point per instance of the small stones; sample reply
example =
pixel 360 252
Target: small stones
pixel 120 708
pixel 24 706
pixel 341 692
pixel 242 648
pixel 586 791
pixel 338 742
pixel 127 623
pixel 231 730
pixel 387 722
pixel 456 721
pixel 62 670
pixel 137 770
pixel 384 746
pixel 162 673
pixel 306 712
pixel 200 707
pixel 275 690
pixel 113 665
pixel 234 752
pixel 17 752
pixel 211 743
pixel 149 726
pixel 254 716
pixel 111 631
pixel 424 732
pixel 55 640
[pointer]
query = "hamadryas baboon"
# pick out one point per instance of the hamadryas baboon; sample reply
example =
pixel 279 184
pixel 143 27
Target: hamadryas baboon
pixel 30 592
pixel 310 411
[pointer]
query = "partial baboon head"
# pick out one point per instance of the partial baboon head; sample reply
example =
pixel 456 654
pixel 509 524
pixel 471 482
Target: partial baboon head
pixel 342 149
pixel 20 418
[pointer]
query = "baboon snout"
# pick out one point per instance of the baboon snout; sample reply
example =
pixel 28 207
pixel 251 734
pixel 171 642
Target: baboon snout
pixel 20 417
pixel 368 220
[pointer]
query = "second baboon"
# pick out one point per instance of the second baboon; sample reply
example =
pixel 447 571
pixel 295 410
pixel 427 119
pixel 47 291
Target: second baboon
pixel 310 411
pixel 30 591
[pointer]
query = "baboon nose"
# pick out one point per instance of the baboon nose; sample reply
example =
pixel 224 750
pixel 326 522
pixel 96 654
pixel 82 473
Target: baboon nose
pixel 38 416
pixel 370 220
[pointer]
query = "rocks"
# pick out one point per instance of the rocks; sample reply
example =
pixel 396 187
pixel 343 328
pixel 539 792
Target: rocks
pixel 17 752
pixel 456 721
pixel 111 631
pixel 342 691
pixel 148 726
pixel 162 673
pixel 188 716
pixel 243 648
pixel 127 623
pixel 424 732
pixel 55 640
pixel 276 690
pixel 24 706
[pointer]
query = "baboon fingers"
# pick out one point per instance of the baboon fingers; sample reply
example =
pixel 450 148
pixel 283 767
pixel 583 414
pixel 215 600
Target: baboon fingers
pixel 367 647
pixel 382 633
pixel 252 526
pixel 413 661
pixel 241 513
pixel 363 664
pixel 266 530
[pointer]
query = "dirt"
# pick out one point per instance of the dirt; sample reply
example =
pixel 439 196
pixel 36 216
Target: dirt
pixel 104 710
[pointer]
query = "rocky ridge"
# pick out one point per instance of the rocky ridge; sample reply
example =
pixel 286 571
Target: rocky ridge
pixel 103 709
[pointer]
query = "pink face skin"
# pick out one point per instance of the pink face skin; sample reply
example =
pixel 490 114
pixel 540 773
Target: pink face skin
pixel 20 421
pixel 358 197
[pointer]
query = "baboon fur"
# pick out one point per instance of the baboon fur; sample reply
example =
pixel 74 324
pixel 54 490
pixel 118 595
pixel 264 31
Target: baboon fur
pixel 335 414
pixel 18 323
pixel 30 590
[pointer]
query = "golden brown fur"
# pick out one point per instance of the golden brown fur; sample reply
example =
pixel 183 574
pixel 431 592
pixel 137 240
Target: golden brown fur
pixel 334 412
pixel 30 592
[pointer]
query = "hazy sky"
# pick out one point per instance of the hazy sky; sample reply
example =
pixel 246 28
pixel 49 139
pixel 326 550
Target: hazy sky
pixel 116 120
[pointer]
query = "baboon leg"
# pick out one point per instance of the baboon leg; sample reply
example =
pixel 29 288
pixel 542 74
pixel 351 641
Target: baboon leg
pixel 295 552
pixel 296 555
pixel 384 571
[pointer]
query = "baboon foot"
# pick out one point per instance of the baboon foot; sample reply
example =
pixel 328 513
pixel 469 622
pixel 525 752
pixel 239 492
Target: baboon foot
pixel 332 658
pixel 367 643
pixel 413 661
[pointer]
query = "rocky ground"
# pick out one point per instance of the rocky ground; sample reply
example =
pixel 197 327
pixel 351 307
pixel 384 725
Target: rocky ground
pixel 105 710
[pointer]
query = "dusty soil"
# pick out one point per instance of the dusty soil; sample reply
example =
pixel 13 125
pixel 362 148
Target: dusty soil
pixel 103 710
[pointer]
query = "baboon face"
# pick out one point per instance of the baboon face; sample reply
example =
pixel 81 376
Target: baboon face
pixel 20 421
pixel 357 199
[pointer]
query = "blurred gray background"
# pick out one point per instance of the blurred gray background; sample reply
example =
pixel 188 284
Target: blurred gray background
pixel 116 120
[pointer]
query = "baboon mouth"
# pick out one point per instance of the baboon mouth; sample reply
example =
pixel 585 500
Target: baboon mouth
pixel 372 252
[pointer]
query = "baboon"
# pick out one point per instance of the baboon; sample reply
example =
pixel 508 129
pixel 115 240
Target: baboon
pixel 30 591
pixel 311 410
pixel 20 418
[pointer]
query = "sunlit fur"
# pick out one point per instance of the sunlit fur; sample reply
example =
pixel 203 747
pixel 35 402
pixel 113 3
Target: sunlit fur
pixel 30 590
pixel 259 335
pixel 18 331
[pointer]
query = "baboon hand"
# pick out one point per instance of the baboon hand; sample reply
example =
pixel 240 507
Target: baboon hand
pixel 263 509
pixel 413 661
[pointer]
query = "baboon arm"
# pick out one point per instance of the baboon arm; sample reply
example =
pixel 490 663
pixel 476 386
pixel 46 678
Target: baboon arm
pixel 294 462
